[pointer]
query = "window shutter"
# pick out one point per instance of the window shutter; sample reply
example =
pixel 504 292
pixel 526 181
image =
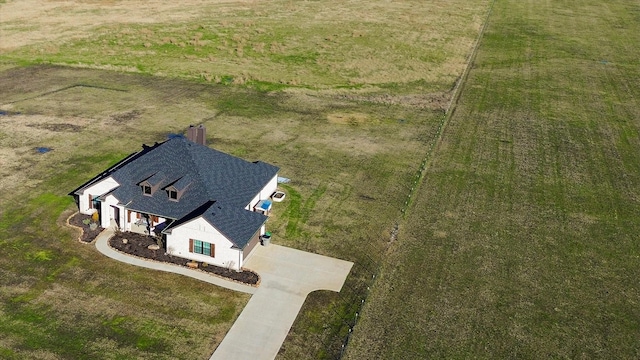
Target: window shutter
pixel 190 245
pixel 212 251
pixel 128 216
pixel 90 202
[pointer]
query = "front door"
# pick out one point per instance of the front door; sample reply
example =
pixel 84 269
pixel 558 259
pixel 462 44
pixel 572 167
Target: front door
pixel 116 215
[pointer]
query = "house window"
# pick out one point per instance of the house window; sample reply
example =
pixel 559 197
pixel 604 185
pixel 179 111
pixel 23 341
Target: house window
pixel 94 203
pixel 201 247
pixel 173 195
pixel 146 189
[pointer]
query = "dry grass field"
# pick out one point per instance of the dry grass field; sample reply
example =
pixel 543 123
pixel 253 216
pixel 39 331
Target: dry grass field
pixel 344 96
pixel 523 239
pixel 365 45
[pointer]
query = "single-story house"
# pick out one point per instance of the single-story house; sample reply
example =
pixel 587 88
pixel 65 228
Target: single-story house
pixel 208 206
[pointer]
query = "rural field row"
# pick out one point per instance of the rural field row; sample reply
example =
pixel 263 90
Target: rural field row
pixel 522 240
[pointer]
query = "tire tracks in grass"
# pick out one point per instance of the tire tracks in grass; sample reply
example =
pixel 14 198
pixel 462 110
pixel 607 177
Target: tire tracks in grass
pixel 88 86
pixel 298 212
pixel 434 144
pixel 420 175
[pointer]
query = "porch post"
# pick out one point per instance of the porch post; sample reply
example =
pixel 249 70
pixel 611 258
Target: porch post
pixel 105 214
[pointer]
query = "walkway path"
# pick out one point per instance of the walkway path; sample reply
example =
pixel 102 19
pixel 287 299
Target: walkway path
pixel 103 246
pixel 287 277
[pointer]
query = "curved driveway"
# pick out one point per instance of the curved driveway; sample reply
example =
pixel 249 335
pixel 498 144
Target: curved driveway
pixel 287 277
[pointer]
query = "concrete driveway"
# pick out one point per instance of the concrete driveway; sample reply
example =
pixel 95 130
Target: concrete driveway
pixel 287 277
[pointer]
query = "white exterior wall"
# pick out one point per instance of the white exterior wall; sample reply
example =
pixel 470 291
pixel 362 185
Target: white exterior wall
pixel 270 188
pixel 107 211
pixel 200 229
pixel 253 203
pixel 95 190
pixel 265 193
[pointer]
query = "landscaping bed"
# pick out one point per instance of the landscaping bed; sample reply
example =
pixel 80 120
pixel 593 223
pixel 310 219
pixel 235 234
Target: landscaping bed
pixel 138 245
pixel 88 235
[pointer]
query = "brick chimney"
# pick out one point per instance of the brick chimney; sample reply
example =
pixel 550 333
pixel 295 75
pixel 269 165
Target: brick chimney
pixel 197 134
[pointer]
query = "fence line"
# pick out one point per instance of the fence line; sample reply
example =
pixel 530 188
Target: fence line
pixel 432 145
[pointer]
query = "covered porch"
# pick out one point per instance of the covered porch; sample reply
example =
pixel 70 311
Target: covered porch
pixel 142 223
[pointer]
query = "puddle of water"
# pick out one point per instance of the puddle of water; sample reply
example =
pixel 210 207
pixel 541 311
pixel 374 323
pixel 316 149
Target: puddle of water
pixel 43 150
pixel 8 113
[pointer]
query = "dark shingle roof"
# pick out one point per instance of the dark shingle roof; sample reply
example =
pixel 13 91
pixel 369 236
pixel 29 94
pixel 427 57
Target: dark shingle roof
pixel 232 222
pixel 235 223
pixel 182 183
pixel 211 175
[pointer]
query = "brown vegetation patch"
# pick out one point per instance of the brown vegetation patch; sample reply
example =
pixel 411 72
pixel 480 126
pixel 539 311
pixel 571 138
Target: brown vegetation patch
pixel 125 116
pixel 435 101
pixel 57 127
pixel 347 118
pixel 138 245
pixel 440 234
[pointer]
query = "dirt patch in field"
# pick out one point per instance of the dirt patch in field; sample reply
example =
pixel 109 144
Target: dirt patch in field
pixel 32 128
pixel 347 118
pixel 125 116
pixel 57 127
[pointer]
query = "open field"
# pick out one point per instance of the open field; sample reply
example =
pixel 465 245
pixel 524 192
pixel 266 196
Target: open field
pixel 373 46
pixel 343 96
pixel 523 240
pixel 348 184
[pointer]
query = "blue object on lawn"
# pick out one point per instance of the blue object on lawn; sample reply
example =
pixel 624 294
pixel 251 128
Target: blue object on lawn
pixel 43 150
pixel 283 180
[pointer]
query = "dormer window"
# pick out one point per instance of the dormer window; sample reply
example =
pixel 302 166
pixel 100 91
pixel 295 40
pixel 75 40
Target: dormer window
pixel 152 183
pixel 176 189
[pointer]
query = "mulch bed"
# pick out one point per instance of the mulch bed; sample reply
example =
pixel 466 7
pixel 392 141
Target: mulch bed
pixel 88 235
pixel 137 244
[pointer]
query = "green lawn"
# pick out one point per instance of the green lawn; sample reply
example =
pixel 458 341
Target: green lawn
pixel 523 240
